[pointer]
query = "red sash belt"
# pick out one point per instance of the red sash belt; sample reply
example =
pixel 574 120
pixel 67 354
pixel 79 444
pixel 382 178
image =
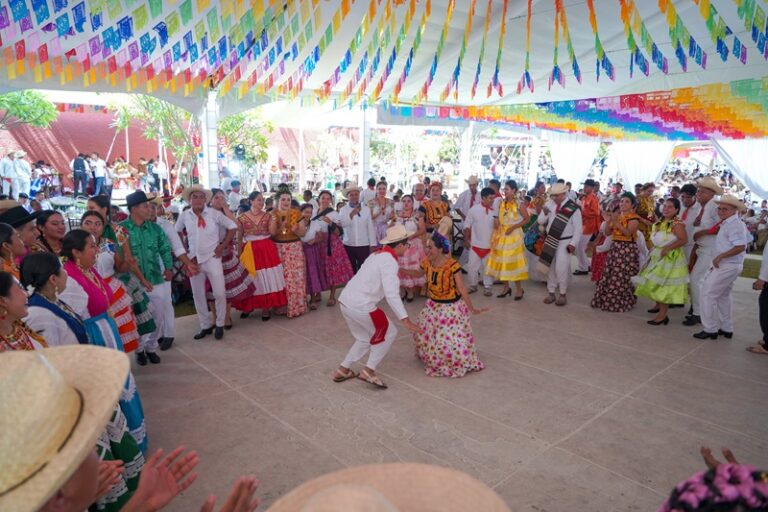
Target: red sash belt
pixel 380 325
pixel 481 252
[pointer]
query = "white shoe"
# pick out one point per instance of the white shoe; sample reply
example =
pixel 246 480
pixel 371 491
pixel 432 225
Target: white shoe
pixel 487 292
pixel 472 289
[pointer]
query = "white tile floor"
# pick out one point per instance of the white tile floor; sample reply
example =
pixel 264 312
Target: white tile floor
pixel 577 409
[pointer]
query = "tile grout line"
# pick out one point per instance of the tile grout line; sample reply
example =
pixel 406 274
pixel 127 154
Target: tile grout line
pixel 262 409
pixel 728 374
pixel 611 406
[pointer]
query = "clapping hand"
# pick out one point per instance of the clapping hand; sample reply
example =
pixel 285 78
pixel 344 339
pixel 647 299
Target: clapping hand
pixel 109 476
pixel 240 497
pixel 162 479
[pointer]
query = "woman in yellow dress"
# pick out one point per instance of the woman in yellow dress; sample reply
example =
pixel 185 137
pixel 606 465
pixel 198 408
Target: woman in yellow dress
pixel 507 261
pixel 646 210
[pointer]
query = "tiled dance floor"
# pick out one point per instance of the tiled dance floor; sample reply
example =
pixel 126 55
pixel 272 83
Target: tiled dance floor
pixel 576 410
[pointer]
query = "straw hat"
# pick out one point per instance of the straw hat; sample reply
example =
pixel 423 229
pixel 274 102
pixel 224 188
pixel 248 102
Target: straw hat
pixel 196 188
pixel 20 153
pixel 8 204
pixel 345 192
pixel 710 183
pixel 558 188
pixel 387 487
pixel 732 201
pixel 55 402
pixel 395 234
pixel 472 180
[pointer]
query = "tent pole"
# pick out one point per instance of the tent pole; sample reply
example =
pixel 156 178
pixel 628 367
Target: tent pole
pixel 209 166
pixel 109 151
pixel 364 142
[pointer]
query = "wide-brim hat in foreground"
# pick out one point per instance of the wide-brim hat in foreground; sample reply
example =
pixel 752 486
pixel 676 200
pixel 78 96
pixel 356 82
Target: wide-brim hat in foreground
pixel 732 201
pixel 196 188
pixel 399 487
pixel 710 183
pixel 345 192
pixel 17 216
pixel 8 204
pixel 558 188
pixel 396 233
pixel 472 180
pixel 55 404
pixel 136 198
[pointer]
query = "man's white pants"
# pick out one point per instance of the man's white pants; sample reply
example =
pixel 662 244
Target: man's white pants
pixel 560 270
pixel 361 326
pixel 581 253
pixel 7 181
pixel 161 307
pixel 475 266
pixel 21 184
pixel 716 297
pixel 213 271
pixel 703 263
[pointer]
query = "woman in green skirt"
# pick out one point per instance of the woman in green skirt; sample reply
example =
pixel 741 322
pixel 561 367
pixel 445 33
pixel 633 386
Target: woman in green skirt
pixel 665 278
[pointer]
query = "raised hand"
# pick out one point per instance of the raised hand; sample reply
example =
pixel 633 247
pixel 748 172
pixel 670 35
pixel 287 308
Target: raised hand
pixel 109 476
pixel 241 497
pixel 162 479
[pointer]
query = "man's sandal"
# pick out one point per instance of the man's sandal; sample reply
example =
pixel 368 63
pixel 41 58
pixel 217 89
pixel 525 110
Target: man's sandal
pixel 339 376
pixel 371 379
pixel 757 349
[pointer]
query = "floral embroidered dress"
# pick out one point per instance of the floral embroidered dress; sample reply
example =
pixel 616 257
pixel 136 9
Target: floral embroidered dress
pixel 446 346
pixel 291 252
pixel 614 291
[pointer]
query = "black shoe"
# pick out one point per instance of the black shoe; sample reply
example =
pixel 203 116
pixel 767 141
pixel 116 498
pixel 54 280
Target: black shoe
pixel 227 327
pixel 676 306
pixel 141 358
pixel 218 333
pixel 727 335
pixel 704 335
pixel 665 321
pixel 520 297
pixel 653 310
pixel 265 318
pixel 244 315
pixel 505 294
pixel 166 343
pixel 153 358
pixel 203 333
pixel 581 273
pixel 692 320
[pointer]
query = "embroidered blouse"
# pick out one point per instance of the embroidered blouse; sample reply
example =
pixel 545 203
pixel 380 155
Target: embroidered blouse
pixel 441 283
pixel 251 226
pixel 22 338
pixel 434 211
pixel 624 219
pixel 285 223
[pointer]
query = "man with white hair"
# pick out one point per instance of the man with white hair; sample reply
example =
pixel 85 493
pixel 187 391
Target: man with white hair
pixel 419 195
pixel 23 178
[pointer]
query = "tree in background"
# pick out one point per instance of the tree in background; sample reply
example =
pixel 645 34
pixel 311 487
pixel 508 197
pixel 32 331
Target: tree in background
pixel 173 127
pixel 249 130
pixel 26 107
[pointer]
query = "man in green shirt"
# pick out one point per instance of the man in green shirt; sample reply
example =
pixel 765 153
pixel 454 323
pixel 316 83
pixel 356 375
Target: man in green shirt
pixel 150 246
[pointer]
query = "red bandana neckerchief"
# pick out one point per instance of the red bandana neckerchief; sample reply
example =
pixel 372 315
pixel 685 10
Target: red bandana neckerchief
pixel 389 250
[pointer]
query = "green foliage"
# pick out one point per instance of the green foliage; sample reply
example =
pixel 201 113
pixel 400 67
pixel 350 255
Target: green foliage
pixel 26 107
pixel 248 129
pixel 450 147
pixel 162 121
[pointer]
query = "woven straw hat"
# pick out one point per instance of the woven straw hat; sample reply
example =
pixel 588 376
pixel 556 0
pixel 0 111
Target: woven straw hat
pixel 55 403
pixel 392 487
pixel 732 201
pixel 395 234
pixel 558 188
pixel 472 180
pixel 196 188
pixel 345 192
pixel 710 183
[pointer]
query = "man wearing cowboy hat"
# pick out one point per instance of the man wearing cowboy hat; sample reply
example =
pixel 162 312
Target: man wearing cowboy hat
pixel 377 279
pixel 23 178
pixel 359 233
pixel 562 219
pixel 468 198
pixel 7 172
pixel 705 227
pixel 727 261
pixel 152 252
pixel 202 225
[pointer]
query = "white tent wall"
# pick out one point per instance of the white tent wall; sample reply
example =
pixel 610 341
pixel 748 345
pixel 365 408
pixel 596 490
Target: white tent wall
pixel 748 159
pixel 641 161
pixel 572 155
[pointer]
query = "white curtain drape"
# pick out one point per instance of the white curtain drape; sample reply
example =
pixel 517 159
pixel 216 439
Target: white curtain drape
pixel 572 155
pixel 641 161
pixel 748 159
